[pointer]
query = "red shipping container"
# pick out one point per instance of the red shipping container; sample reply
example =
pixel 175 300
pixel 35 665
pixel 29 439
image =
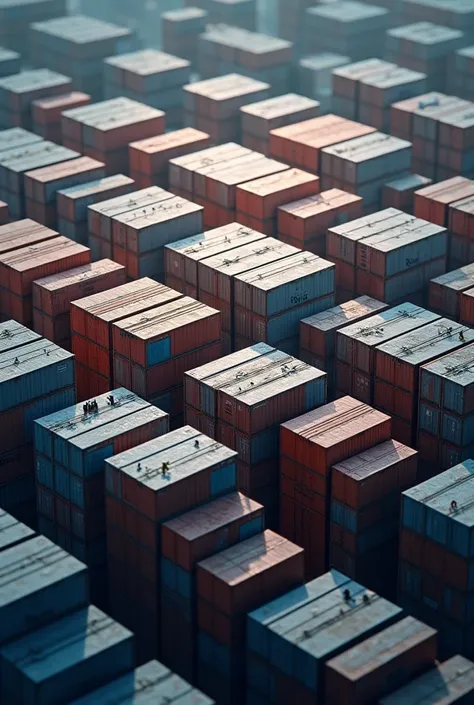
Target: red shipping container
pixel 4 214
pixel 433 202
pixel 48 111
pixel 466 315
pixel 23 233
pixel 150 157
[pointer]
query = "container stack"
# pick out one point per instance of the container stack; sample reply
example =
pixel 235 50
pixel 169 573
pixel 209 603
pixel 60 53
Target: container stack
pixel 425 47
pixel 304 223
pixel 455 677
pixel 4 214
pixel 309 447
pixel 16 138
pixel 389 255
pixel 217 279
pixel 153 350
pixel 150 77
pixel 400 193
pixel 436 529
pixel 139 235
pixel 10 62
pixel 155 482
pixel 270 301
pixel 348 27
pixel 356 346
pixel 446 292
pixel 42 185
pixel 460 70
pixel 462 236
pixel 78 45
pixel 434 202
pixel 365 165
pixel 17 161
pixel 149 158
pixel 377 665
pixel 17 17
pixel 257 201
pixel 104 130
pixel 300 145
pixel 52 297
pixel 236 581
pixel 103 649
pixel 154 679
pixel 241 399
pixel 211 177
pixel 346 84
pixel 182 258
pixel 330 615
pixel 421 118
pixel 22 234
pixel 91 329
pixel 318 334
pixel 397 372
pixel 18 92
pixel 455 153
pixel 290 18
pixel 259 119
pixel 445 414
pixel 20 268
pixel 46 113
pixel 186 541
pixel 36 571
pixel 365 514
pixel 458 14
pixel 227 49
pixel 180 30
pixel 213 106
pixel 70 449
pixel 236 13
pixel 73 202
pixel 37 378
pixel 315 77
pixel 467 307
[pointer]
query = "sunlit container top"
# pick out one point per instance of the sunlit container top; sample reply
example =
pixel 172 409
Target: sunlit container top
pixel 458 280
pixel 212 242
pixel 386 220
pixel 151 683
pixel 378 651
pixel 300 631
pixel 126 300
pixel 39 581
pixel 87 641
pixel 13 531
pixel 32 371
pixel 381 457
pixel 249 256
pixel 185 452
pixel 450 682
pixel 428 342
pixel 338 316
pixel 386 325
pixel 210 373
pixel 442 509
pixel 446 382
pixel 14 335
pixel 80 29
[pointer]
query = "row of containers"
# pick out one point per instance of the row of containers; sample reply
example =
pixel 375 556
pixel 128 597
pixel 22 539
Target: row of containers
pixel 184 548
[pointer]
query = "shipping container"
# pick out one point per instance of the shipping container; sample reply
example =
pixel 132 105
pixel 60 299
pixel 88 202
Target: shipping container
pixel 12 531
pixel 150 680
pixel 460 225
pixel 400 193
pixel 397 370
pixel 446 292
pixel 187 540
pixel 314 623
pixel 356 346
pixel 46 113
pixel 180 30
pixel 433 202
pixel 18 91
pixel 182 257
pixel 92 319
pixel 239 579
pixel 93 647
pixel 52 296
pixel 41 583
pixel 23 233
pixel 155 482
pixel 309 446
pixel 448 683
pixel 380 664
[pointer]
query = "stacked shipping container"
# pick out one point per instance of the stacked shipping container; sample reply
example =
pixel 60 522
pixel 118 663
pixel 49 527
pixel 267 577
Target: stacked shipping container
pixel 46 113
pixel 18 92
pixel 70 449
pixel 145 487
pixel 309 446
pixel 400 193
pixel 315 77
pixel 445 293
pixel 180 30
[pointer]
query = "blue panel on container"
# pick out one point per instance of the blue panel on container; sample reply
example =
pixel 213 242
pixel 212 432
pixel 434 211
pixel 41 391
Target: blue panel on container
pixel 61 451
pixel 207 400
pixel 43 441
pixel 453 396
pixel 157 352
pixel 43 407
pixel 169 575
pixel 76 492
pixel 223 479
pixel 185 583
pixel 62 482
pixel 94 459
pixel 413 514
pixel 429 419
pixel 459 431
pixel 259 675
pixel 315 393
pixel 264 445
pixel 430 387
pixel 437 526
pixel 251 528
pixel 44 471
